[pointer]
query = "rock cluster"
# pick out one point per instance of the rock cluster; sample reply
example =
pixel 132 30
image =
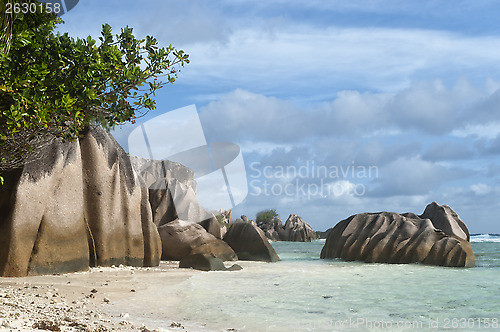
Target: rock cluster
pixel 437 237
pixel 80 205
pixel 272 228
pixel 172 193
pixel 185 227
pixel 295 229
pixel 87 203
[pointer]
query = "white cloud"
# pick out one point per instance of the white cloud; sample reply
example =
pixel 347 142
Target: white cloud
pixel 488 130
pixel 309 58
pixel 411 176
pixel 429 108
pixel 481 189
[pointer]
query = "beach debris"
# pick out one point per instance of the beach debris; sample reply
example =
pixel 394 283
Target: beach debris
pixel 176 325
pixel 47 325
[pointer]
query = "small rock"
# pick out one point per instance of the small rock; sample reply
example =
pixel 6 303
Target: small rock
pixel 106 300
pixel 235 267
pixel 178 325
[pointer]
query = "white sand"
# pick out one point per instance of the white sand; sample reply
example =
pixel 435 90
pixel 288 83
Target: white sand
pixel 101 299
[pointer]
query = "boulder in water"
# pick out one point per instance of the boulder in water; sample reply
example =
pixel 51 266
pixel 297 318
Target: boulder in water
pixel 437 237
pixel 250 243
pixel 297 230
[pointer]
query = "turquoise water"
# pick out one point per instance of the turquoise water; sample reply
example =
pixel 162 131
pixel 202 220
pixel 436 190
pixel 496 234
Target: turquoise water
pixel 304 293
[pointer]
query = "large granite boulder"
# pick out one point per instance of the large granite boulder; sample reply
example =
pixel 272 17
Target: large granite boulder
pixel 185 227
pixel 250 243
pixel 437 237
pixel 76 206
pixel 172 193
pixel 297 230
pixel 212 226
pixel 181 238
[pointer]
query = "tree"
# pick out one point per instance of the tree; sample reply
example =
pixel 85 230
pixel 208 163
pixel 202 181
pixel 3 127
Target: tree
pixel 266 216
pixel 52 86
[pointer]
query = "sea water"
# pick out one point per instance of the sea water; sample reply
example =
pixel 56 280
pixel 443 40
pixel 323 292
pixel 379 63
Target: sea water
pixel 305 293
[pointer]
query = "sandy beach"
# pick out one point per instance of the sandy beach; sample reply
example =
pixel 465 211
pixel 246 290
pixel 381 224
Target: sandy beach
pixel 100 299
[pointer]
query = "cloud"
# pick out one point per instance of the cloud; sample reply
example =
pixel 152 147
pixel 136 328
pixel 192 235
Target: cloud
pixel 449 150
pixel 304 58
pixel 171 21
pixel 242 114
pixel 481 189
pixel 488 130
pixel 427 108
pixel 411 176
pixel 237 46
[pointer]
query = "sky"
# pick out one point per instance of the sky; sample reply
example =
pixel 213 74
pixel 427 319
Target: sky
pixel 339 107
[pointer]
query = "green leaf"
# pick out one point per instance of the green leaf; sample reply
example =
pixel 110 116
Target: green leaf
pixel 54 84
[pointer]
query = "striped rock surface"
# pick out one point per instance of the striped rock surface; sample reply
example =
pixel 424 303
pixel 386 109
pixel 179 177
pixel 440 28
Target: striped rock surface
pixel 78 205
pixel 437 237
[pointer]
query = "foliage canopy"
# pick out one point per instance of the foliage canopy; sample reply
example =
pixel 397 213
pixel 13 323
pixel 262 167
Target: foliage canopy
pixel 266 216
pixel 53 85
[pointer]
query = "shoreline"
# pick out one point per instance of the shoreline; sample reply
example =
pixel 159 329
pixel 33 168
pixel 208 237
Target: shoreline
pixel 100 299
